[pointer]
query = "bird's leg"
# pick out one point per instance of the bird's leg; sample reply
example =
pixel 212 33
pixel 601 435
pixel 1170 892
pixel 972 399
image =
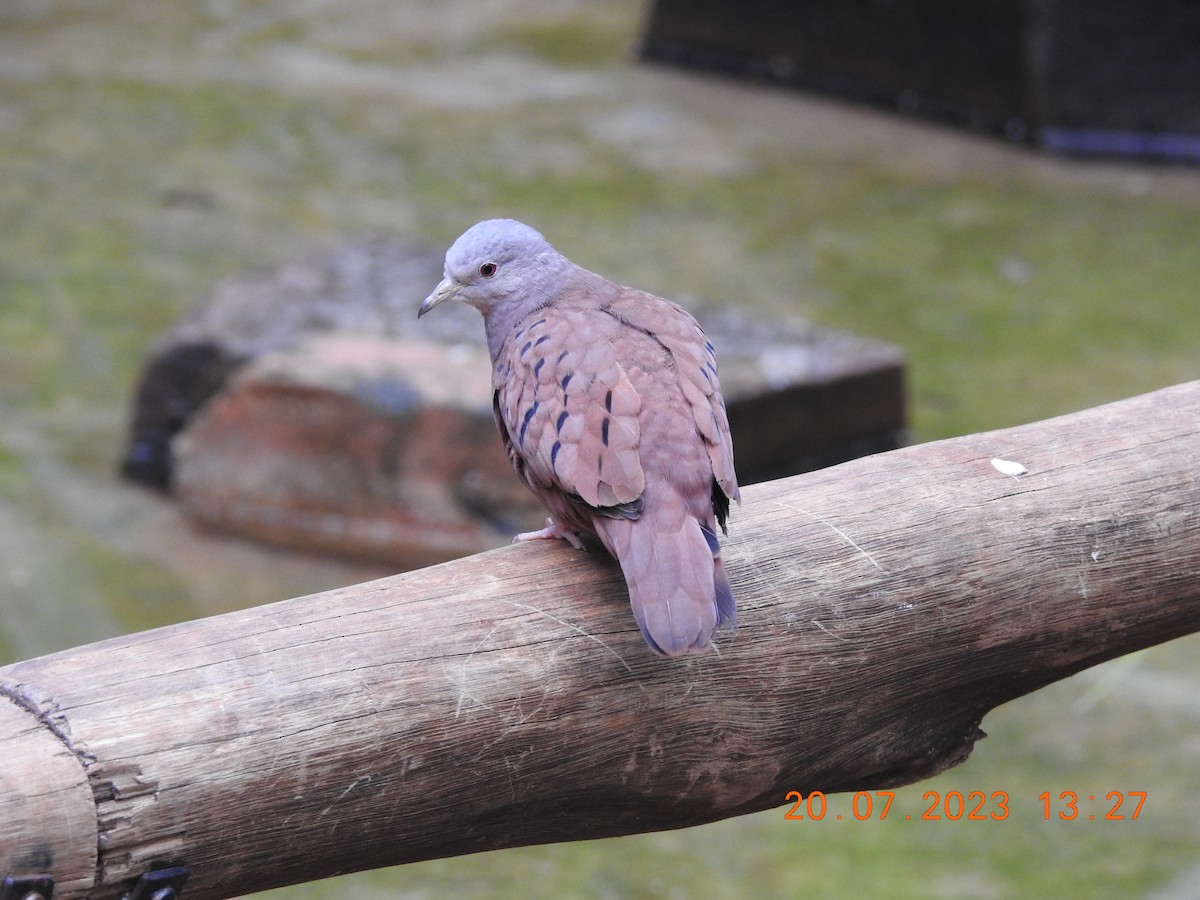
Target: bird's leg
pixel 552 530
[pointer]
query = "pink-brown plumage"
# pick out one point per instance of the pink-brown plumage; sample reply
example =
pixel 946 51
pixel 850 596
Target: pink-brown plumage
pixel 608 402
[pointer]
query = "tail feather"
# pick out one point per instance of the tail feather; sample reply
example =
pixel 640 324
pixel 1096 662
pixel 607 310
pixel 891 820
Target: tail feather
pixel 726 605
pixel 678 589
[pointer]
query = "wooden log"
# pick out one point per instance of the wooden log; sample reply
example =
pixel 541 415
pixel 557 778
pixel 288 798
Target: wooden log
pixel 507 699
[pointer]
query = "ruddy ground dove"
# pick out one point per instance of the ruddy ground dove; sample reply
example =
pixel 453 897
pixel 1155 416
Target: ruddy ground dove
pixel 608 403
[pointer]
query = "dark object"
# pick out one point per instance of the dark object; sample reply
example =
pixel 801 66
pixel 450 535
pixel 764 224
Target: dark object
pixel 1117 78
pixel 27 887
pixel 161 884
pixel 175 384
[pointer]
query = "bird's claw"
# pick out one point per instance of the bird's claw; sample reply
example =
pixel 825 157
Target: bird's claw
pixel 552 530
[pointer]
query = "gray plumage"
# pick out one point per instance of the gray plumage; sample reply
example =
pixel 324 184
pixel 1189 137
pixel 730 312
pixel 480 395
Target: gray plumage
pixel 608 402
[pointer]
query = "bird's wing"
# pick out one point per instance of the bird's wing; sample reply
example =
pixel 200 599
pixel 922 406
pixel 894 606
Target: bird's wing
pixel 568 412
pixel 695 365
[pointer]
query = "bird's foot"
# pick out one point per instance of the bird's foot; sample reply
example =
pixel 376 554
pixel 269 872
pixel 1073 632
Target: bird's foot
pixel 552 530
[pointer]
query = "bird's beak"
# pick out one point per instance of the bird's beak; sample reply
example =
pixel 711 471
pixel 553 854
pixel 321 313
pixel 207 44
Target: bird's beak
pixel 446 290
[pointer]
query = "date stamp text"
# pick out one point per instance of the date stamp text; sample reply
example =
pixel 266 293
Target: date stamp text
pixel 971 806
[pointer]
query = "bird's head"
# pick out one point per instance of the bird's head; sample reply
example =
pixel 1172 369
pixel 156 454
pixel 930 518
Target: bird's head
pixel 498 262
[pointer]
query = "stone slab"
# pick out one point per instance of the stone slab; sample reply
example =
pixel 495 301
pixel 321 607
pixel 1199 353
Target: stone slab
pixel 318 415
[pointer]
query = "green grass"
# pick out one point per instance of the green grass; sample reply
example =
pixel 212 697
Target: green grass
pixel 1016 294
pixel 583 40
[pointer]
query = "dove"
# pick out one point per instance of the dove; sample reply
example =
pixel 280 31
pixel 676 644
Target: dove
pixel 608 403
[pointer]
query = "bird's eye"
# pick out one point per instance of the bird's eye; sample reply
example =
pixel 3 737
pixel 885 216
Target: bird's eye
pixel 488 269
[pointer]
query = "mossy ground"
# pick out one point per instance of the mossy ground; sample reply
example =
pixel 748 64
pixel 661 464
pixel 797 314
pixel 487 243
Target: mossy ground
pixel 147 155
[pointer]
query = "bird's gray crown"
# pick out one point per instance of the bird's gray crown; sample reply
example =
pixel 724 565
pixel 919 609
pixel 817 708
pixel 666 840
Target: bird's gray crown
pixel 498 241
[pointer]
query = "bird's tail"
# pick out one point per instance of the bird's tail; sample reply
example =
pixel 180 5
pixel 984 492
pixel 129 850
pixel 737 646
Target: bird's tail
pixel 677 584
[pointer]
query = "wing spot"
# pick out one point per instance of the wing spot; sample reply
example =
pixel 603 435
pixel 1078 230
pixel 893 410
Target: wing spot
pixel 608 402
pixel 554 455
pixel 604 430
pixel 562 417
pixel 529 414
pixel 566 378
pixel 537 370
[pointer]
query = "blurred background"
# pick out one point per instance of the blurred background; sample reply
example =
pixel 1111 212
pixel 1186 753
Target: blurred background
pixel 149 150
